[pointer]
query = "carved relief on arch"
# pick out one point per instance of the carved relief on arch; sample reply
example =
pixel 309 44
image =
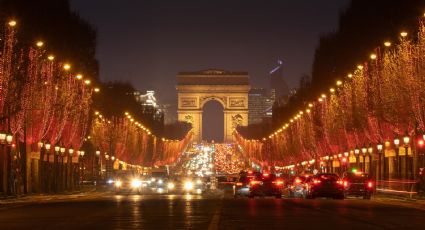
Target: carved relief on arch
pixel 206 99
pixel 237 120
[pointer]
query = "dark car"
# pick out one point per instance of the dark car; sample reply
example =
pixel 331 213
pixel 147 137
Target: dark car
pixel 297 186
pixel 325 185
pixel 265 185
pixel 358 184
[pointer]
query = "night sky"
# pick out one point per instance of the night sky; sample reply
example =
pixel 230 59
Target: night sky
pixel 148 42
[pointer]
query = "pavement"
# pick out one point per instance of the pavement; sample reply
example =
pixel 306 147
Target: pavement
pixel 105 210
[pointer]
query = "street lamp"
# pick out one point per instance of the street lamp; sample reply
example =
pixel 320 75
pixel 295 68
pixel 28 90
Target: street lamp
pixel 97 166
pixel 397 143
pixel 406 141
pixel 370 151
pixel 2 138
pixel 364 151
pixel 9 139
pixel 70 170
pixel 357 152
pixel 380 146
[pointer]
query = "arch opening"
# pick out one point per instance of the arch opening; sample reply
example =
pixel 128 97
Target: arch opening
pixel 213 121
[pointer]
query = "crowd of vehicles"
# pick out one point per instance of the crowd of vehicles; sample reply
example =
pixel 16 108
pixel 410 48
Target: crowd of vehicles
pixel 330 185
pixel 129 182
pixel 307 186
pixel 249 184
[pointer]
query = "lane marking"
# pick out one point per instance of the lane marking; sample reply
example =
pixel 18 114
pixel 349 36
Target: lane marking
pixel 216 217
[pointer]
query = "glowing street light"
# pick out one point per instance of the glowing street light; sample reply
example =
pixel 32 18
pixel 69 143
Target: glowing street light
pixel 338 82
pixel 87 82
pixel 66 66
pixel 40 44
pixel 373 56
pixel 79 76
pixel 387 44
pixel 51 57
pixel 12 23
pixel 403 34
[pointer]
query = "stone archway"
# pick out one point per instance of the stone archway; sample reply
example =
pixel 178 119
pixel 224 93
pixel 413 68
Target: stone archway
pixel 230 89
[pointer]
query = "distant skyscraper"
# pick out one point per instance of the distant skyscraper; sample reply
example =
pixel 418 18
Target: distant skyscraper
pixel 278 86
pixel 259 105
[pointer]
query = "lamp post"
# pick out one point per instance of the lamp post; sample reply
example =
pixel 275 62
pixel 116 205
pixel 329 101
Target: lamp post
pixel 41 165
pixel 70 169
pixel 107 165
pixel 82 168
pixel 62 169
pixel 397 160
pixel 55 162
pixel 357 152
pixel 347 160
pixel 380 147
pixel 47 146
pixel 364 151
pixel 2 162
pixel 370 151
pixel 406 141
pixel 97 173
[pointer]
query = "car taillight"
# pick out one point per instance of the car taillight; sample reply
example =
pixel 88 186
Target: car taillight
pixel 265 174
pixel 317 181
pixel 255 182
pixel 345 183
pixel 340 182
pixel 297 181
pixel 239 184
pixel 369 184
pixel 278 182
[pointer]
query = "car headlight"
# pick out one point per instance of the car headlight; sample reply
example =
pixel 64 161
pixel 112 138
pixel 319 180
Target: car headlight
pixel 118 183
pixel 136 183
pixel 153 179
pixel 160 181
pixel 110 181
pixel 188 185
pixel 170 186
pixel 198 182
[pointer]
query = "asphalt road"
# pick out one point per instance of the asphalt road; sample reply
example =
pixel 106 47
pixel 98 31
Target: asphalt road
pixel 109 211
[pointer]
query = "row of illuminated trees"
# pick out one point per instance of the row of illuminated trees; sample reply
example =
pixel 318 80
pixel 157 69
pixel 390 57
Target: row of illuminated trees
pixel 48 132
pixel 379 103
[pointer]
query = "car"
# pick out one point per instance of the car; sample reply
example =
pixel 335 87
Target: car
pixel 358 184
pixel 297 186
pixel 265 184
pixel 241 186
pixel 129 182
pixel 325 185
pixel 185 185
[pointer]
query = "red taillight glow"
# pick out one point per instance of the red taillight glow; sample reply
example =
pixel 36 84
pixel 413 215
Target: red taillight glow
pixel 239 184
pixel 340 182
pixel 297 181
pixel 370 184
pixel 317 181
pixel 278 182
pixel 265 174
pixel 255 182
pixel 345 183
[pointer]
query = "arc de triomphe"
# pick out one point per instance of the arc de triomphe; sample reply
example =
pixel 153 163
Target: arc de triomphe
pixel 230 89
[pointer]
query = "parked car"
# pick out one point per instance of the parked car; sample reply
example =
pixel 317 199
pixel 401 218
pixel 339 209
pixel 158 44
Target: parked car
pixel 358 184
pixel 325 185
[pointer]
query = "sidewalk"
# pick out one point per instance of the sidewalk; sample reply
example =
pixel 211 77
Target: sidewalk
pixel 414 202
pixel 86 190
